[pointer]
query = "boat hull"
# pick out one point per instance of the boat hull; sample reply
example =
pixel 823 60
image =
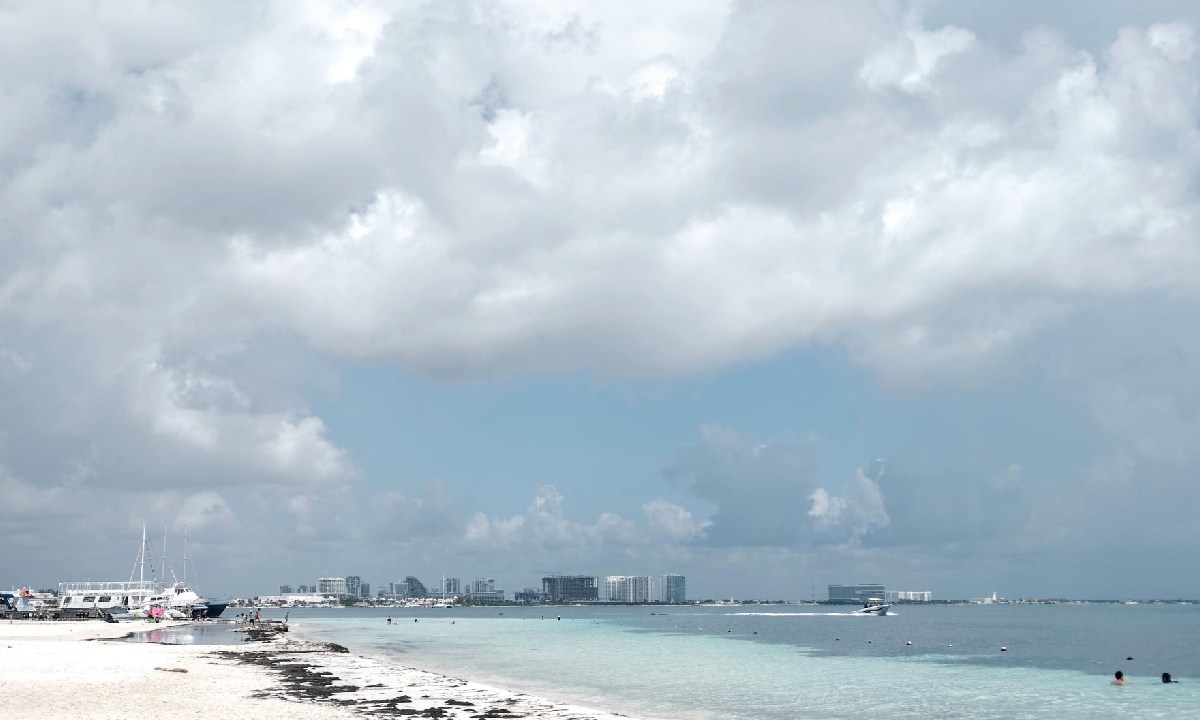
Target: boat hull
pixel 215 609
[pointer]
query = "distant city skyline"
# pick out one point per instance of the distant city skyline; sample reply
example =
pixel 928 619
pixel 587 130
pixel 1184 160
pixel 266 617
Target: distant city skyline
pixel 670 587
pixel 774 294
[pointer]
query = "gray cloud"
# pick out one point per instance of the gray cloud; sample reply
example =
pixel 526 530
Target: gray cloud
pixel 967 508
pixel 774 493
pixel 209 211
pixel 860 192
pixel 395 517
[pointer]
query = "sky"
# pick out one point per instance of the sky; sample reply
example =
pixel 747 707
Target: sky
pixel 773 294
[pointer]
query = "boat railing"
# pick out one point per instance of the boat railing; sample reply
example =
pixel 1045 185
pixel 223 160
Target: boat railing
pixel 72 588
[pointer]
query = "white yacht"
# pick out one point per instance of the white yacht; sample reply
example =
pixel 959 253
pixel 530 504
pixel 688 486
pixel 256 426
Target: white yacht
pixel 111 596
pixel 135 596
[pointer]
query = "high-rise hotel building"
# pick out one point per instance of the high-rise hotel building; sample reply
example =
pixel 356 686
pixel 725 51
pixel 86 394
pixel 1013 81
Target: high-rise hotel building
pixel 570 588
pixel 335 586
pixel 629 588
pixel 673 589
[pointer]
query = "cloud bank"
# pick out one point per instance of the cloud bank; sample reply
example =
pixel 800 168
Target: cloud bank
pixel 212 212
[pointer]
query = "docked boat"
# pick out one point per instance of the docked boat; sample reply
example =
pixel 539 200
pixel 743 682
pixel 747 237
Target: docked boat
pixel 214 608
pixel 25 602
pixel 873 606
pixel 134 597
pixel 157 611
pixel 184 599
pixel 114 597
pixel 137 596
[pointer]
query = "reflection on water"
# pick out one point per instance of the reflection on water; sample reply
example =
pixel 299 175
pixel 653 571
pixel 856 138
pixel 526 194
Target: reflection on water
pixel 209 633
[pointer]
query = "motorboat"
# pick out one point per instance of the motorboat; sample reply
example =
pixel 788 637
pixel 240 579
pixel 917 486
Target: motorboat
pixel 873 606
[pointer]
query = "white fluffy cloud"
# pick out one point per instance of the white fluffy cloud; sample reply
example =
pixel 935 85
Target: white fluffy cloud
pixel 478 193
pixel 672 522
pixel 486 531
pixel 910 61
pixel 209 210
pixel 825 507
pixel 544 528
pixel 490 193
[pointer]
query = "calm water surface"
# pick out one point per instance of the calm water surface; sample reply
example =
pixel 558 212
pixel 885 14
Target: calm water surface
pixel 209 633
pixel 776 662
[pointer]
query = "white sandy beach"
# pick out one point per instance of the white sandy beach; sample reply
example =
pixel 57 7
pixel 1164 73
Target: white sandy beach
pixel 51 670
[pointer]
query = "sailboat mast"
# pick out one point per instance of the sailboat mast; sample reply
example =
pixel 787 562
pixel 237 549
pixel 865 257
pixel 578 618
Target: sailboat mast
pixel 164 555
pixel 184 580
pixel 142 557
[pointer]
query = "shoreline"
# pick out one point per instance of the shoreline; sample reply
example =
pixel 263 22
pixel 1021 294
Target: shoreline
pixel 51 670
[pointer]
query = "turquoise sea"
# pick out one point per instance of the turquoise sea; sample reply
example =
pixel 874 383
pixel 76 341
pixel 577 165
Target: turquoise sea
pixel 773 662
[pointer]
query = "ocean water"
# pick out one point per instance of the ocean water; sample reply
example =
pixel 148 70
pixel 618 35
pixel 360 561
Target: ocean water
pixel 798 662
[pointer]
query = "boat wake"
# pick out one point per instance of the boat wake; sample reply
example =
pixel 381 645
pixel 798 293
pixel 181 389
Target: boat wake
pixel 808 614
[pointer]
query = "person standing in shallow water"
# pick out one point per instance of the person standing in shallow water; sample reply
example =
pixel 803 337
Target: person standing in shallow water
pixel 1120 678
